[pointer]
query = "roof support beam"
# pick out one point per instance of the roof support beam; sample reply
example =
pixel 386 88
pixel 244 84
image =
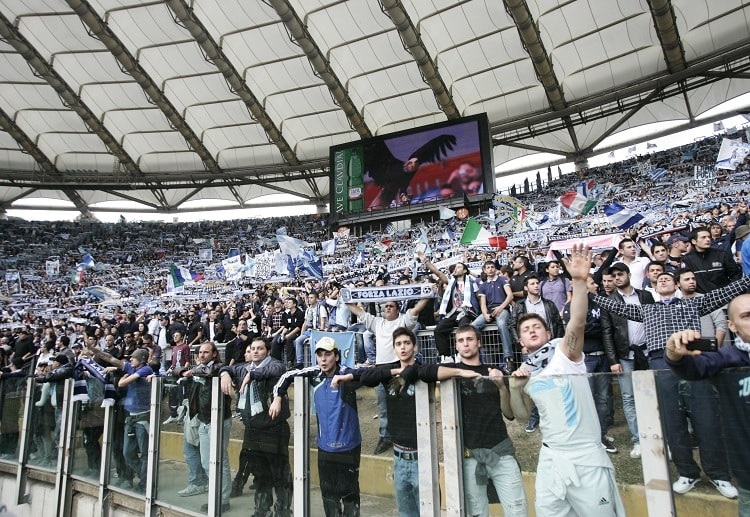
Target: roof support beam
pixel 320 64
pixel 236 82
pixel 43 69
pixel 666 28
pixel 103 33
pixel 45 164
pixel 532 42
pixel 413 43
pixel 135 199
pixel 731 63
pixel 80 204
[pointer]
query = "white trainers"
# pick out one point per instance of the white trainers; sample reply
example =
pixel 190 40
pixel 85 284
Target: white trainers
pixel 170 420
pixel 635 452
pixel 725 488
pixel 193 490
pixel 684 484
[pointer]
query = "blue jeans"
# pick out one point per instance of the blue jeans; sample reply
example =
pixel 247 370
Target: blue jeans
pixel 196 475
pixel 299 346
pixel 501 320
pixel 406 485
pixel 628 401
pixel 204 432
pixel 599 380
pixel 365 348
pixel 506 476
pixel 382 412
pixel 135 447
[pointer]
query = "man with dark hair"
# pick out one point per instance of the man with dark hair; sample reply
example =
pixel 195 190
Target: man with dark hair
pixel 533 302
pixel 521 269
pixel 624 343
pixel 495 297
pixel 292 320
pixel 661 320
pixel 265 446
pixel 556 287
pixel 382 328
pixel 713 268
pixel 402 420
pixel 628 254
pixel 653 270
pixel 459 305
pixel 339 439
pixel 553 376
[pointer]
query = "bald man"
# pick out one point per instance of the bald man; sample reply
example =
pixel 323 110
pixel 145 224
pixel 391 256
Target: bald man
pixel 733 386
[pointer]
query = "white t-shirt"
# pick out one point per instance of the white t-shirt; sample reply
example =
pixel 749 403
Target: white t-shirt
pixel 383 330
pixel 567 414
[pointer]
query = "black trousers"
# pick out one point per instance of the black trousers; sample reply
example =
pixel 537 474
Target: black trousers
pixel 339 482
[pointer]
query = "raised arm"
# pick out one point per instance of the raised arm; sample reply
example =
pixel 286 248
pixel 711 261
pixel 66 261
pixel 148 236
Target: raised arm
pixel 433 269
pixel 421 304
pixel 578 266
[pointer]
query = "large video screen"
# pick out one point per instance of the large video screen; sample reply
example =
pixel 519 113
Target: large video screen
pixel 431 163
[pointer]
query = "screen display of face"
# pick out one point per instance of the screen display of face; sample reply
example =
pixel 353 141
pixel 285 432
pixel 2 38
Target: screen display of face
pixel 412 167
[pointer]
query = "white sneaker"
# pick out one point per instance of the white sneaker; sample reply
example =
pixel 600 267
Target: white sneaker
pixel 193 490
pixel 446 359
pixel 635 452
pixel 170 420
pixel 684 484
pixel 725 488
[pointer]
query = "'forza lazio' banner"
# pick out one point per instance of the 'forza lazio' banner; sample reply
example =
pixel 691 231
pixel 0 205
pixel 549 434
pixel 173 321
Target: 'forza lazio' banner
pixel 387 293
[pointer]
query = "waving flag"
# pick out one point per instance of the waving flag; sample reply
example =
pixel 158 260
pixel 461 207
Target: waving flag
pixel 657 173
pixel 585 187
pixel 621 217
pixel 88 261
pixel 329 247
pixel 290 245
pixel 311 264
pixel 575 202
pixel 182 275
pixel 446 213
pixel 477 235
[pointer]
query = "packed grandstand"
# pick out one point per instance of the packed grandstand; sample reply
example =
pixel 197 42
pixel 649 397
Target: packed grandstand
pixel 129 265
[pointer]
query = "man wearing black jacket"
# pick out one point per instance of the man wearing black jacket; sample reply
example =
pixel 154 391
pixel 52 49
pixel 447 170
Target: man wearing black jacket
pixel 265 447
pixel 713 268
pixel 199 399
pixel 622 340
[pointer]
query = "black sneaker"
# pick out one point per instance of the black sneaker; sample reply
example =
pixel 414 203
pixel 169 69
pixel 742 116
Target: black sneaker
pixel 531 426
pixel 224 507
pixel 609 446
pixel 383 445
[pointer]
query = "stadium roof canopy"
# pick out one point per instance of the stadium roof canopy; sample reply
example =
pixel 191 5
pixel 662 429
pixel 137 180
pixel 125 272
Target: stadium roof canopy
pixel 177 101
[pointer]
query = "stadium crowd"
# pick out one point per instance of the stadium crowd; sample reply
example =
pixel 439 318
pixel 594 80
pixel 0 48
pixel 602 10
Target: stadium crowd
pixel 113 319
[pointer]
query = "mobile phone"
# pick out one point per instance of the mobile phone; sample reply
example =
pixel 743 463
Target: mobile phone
pixel 703 344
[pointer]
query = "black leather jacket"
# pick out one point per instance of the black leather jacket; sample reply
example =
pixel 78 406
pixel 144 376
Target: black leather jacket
pixel 615 329
pixel 554 321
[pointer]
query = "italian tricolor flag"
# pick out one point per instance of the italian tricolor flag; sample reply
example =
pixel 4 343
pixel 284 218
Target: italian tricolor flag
pixel 575 202
pixel 476 235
